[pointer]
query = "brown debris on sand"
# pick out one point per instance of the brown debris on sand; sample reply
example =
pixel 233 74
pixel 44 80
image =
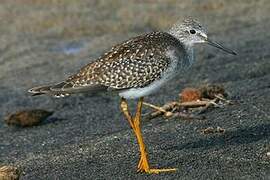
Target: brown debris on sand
pixel 211 91
pixel 192 100
pixel 211 130
pixel 27 117
pixel 9 173
pixel 190 94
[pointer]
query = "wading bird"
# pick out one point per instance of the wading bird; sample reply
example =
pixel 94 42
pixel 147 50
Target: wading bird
pixel 137 68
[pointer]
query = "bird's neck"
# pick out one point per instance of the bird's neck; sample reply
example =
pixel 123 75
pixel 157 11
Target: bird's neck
pixel 187 44
pixel 190 53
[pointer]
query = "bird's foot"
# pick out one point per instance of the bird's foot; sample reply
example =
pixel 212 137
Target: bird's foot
pixel 143 167
pixel 156 171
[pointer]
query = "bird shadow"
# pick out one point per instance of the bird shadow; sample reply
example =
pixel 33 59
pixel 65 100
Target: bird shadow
pixel 244 135
pixel 50 120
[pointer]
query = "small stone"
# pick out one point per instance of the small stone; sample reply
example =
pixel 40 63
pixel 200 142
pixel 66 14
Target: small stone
pixel 220 130
pixel 27 117
pixel 208 130
pixel 9 173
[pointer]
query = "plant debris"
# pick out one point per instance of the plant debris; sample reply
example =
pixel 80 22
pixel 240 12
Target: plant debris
pixel 190 94
pixel 211 91
pixel 27 117
pixel 211 130
pixel 192 101
pixel 9 173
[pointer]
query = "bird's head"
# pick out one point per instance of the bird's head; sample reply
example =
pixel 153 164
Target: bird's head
pixel 192 32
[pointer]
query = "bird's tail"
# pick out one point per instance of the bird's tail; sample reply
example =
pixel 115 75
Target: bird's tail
pixel 64 88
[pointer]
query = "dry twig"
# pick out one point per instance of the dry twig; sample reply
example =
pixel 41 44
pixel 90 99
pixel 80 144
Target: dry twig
pixel 191 99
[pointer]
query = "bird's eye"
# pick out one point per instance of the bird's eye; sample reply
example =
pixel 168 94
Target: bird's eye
pixel 192 31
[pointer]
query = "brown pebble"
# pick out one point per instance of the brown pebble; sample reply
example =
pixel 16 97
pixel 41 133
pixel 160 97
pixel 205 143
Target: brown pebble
pixel 220 130
pixel 210 91
pixel 190 94
pixel 27 117
pixel 9 173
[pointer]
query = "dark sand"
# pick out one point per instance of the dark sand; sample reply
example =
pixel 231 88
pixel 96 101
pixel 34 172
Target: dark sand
pixel 87 137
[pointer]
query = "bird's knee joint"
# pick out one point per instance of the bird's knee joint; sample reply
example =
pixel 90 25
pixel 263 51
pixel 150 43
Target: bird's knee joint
pixel 124 105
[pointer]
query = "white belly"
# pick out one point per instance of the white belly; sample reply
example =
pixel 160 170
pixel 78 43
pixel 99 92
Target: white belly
pixel 135 93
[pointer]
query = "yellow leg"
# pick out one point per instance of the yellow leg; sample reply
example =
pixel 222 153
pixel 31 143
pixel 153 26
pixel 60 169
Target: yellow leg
pixel 143 165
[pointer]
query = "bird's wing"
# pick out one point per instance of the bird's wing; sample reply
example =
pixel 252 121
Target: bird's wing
pixel 134 63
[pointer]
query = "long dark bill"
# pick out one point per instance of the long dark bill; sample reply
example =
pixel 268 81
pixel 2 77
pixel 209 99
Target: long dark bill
pixel 217 45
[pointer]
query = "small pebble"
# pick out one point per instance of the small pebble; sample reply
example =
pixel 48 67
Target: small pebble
pixel 9 173
pixel 27 117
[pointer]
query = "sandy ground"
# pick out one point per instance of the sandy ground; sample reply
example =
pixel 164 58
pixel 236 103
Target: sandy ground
pixel 87 137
